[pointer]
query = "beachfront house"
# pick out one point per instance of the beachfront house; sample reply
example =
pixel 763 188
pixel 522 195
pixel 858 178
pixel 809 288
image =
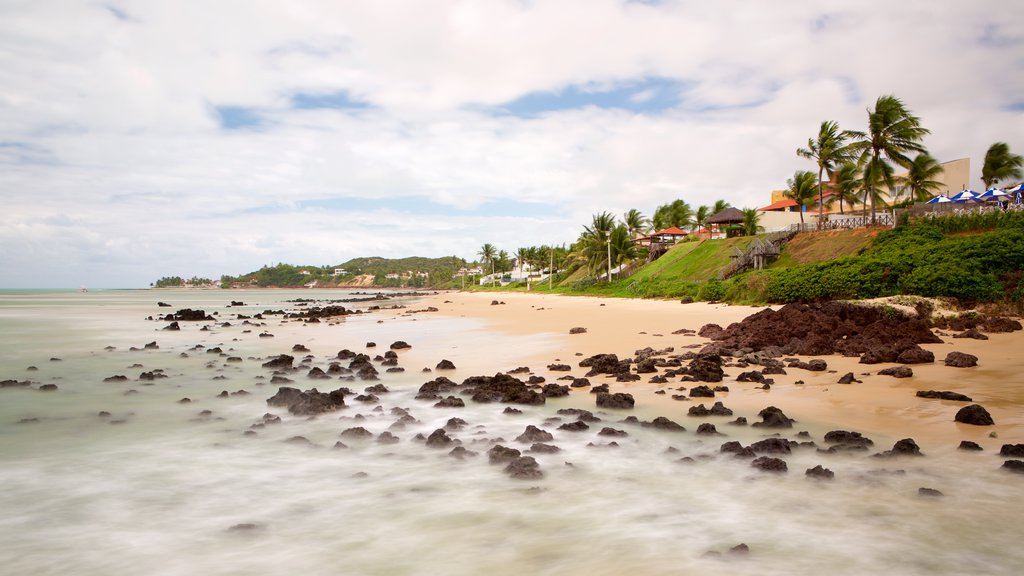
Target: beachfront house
pixel 339 272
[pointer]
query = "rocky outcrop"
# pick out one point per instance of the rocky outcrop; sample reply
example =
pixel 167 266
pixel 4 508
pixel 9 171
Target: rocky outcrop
pixel 310 402
pixel 961 360
pixel 974 414
pixel 772 417
pixel 897 372
pixel 769 464
pixel 619 400
pixel 904 447
pixel 501 388
pixel 819 472
pixel 533 434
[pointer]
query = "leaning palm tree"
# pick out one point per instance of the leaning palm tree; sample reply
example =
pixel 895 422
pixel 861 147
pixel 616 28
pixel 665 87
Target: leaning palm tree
pixel 752 221
pixel 800 189
pixel 848 185
pixel 719 206
pixel 635 221
pixel 918 181
pixel 875 175
pixel 892 132
pixel 676 213
pixel 1000 165
pixel 827 150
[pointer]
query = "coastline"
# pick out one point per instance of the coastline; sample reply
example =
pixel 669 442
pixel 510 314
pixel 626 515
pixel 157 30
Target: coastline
pixel 880 405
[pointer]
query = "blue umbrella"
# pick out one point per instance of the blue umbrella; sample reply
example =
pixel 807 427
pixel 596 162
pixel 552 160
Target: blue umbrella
pixel 939 199
pixel 992 193
pixel 963 196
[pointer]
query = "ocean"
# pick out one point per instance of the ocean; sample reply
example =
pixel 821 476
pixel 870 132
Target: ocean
pixel 125 477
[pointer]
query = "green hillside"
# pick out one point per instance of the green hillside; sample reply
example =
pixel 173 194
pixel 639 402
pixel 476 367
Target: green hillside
pixel 414 272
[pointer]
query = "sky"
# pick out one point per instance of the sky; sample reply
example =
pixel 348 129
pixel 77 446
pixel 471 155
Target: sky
pixel 141 139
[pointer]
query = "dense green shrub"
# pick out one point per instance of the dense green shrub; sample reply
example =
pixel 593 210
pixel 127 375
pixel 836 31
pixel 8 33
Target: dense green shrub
pixel 712 290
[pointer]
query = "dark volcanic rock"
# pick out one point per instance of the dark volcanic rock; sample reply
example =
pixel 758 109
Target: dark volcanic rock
pixel 1001 325
pixel 280 361
pixel 461 453
pixel 400 345
pixel 438 439
pixel 820 473
pixel 706 368
pixel 430 390
pixel 450 402
pixel 905 447
pixel 772 417
pixel 445 365
pixel 848 440
pixel 915 355
pixel 974 414
pixel 971 333
pixel 929 493
pixel 969 446
pixel 717 410
pixel 533 434
pixel 1014 466
pixel 356 433
pixel 524 468
pixel 555 390
pixel 501 388
pixel 707 429
pixel 617 400
pixel 961 360
pixel 663 423
pixel 501 455
pixel 897 372
pixel 609 431
pixel 771 446
pixel 577 426
pixel 769 464
pixel 943 395
pixel 310 402
pixel 541 448
pixel 605 364
pixel 577 330
pixel 1012 450
pixel 848 378
pixel 701 392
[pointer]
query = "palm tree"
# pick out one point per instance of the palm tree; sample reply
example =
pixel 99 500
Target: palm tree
pixel 800 189
pixel 918 181
pixel 622 247
pixel 892 132
pixel 594 239
pixel 848 184
pixel 827 150
pixel 719 206
pixel 522 257
pixel 751 221
pixel 676 213
pixel 1001 165
pixel 700 217
pixel 635 221
pixel 487 254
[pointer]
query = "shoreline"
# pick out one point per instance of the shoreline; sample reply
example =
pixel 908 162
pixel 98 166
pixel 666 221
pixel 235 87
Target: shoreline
pixel 880 405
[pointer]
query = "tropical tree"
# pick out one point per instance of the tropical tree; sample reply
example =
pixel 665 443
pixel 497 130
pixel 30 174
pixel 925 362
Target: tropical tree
pixel 719 206
pixel 919 181
pixel 523 256
pixel 487 255
pixel 623 249
pixel 892 132
pixel 502 262
pixel 592 244
pixel 635 221
pixel 676 213
pixel 848 185
pixel 827 150
pixel 751 221
pixel 800 189
pixel 1000 165
pixel 700 217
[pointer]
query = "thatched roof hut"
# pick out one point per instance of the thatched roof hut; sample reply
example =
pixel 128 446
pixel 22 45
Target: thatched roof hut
pixel 728 216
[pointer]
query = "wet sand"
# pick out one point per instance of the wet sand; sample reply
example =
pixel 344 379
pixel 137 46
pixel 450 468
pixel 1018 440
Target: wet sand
pixel 880 405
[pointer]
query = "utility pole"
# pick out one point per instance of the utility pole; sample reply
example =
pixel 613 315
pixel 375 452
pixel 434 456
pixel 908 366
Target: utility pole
pixel 609 242
pixel 551 268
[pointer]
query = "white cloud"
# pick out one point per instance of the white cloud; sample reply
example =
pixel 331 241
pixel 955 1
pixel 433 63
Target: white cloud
pixel 115 170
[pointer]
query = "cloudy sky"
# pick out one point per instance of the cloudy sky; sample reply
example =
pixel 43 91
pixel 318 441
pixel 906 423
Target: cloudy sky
pixel 147 138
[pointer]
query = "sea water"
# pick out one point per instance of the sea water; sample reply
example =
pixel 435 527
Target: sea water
pixel 158 486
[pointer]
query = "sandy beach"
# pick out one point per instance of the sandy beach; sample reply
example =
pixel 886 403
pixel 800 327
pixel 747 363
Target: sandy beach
pixel 879 405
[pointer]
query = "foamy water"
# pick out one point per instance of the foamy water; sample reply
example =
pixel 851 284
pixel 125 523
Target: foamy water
pixel 155 487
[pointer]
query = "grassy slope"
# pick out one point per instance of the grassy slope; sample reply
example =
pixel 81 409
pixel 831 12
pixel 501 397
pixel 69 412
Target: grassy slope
pixel 810 247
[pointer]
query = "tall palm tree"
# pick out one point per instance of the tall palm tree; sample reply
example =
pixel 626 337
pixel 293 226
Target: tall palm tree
pixel 635 221
pixel 800 189
pixel 487 254
pixel 892 132
pixel 523 256
pixel 751 221
pixel 594 240
pixel 719 206
pixel 827 150
pixel 918 181
pixel 848 184
pixel 1001 165
pixel 622 247
pixel 700 217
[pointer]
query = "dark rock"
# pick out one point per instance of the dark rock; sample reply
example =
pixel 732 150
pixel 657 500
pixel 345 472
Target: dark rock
pixel 580 414
pixel 994 325
pixel 450 402
pixel 752 376
pixel 915 355
pixel 541 448
pixel 848 440
pixel 317 374
pixel 577 426
pixel 455 424
pixel 578 330
pixel 501 388
pixel 524 468
pixel 904 447
pixel 280 361
pixel 461 453
pixel 897 372
pixel 172 326
pixel 820 473
pixel 769 464
pixel 511 410
pixel 663 423
pixel 971 333
pixel 400 345
pixel 712 331
pixel 299 348
pixel 772 417
pixel 579 383
pixel 929 493
pixel 969 446
pixel 943 395
pixel 706 368
pixel 848 378
pixel 741 421
pixel 445 365
pixel 48 388
pixel 1014 466
pixel 617 400
pixel 961 360
pixel 438 439
pixel 974 414
pixel 555 390
pixel 533 434
pixel 356 433
pixel 1012 450
pixel 739 550
pixel 701 392
pixel 310 402
pixel 707 429
pixel 609 431
pixel 502 455
pixel 387 438
pixel 771 446
pixel 117 378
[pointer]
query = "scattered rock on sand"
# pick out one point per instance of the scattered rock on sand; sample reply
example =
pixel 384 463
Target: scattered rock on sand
pixel 961 360
pixel 769 464
pixel 578 330
pixel 974 414
pixel 501 455
pixel 1012 450
pixel 1014 466
pixel 904 447
pixel 969 446
pixel 897 372
pixel 772 417
pixel 445 365
pixel 533 434
pixel 943 395
pixel 929 493
pixel 617 400
pixel 524 468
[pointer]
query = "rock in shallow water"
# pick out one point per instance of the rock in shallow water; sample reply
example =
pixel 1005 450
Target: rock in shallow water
pixel 975 415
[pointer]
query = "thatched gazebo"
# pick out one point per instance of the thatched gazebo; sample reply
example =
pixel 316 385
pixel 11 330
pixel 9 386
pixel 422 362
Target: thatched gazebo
pixel 726 217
